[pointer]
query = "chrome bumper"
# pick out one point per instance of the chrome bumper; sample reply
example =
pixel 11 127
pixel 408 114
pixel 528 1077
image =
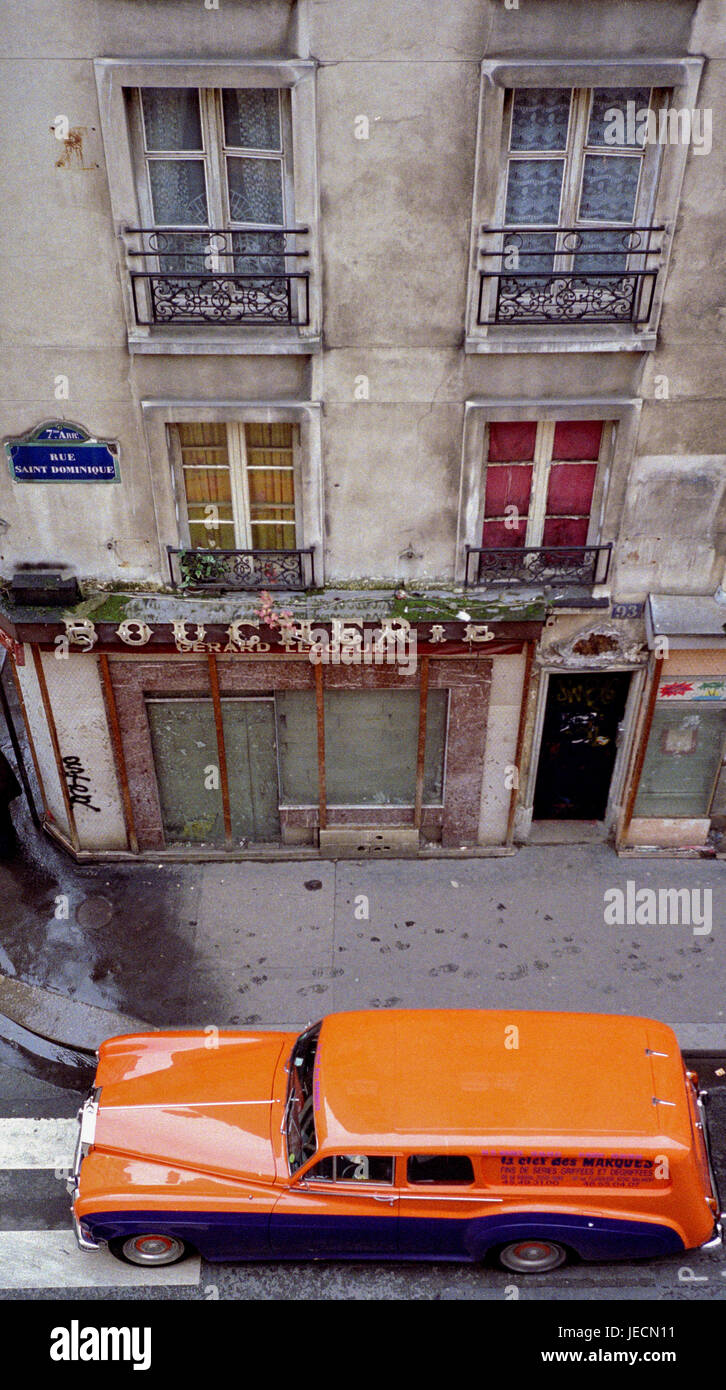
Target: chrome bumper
pixel 715 1241
pixel 86 1133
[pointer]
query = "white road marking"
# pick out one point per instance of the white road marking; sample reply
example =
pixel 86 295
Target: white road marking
pixel 32 1143
pixel 52 1260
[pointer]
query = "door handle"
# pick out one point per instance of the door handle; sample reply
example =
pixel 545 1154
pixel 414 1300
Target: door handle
pixel 381 1198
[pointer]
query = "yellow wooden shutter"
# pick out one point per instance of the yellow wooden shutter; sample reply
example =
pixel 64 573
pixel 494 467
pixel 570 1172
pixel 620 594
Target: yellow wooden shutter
pixel 271 486
pixel 207 485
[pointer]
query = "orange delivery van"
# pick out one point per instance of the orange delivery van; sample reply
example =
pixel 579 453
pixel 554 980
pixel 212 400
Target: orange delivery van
pixel 522 1139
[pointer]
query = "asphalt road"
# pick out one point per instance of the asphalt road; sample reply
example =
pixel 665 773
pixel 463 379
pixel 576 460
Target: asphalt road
pixel 39 1261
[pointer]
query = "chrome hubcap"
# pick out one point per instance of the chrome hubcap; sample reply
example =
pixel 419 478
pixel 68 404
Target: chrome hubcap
pixel 152 1250
pixel 532 1255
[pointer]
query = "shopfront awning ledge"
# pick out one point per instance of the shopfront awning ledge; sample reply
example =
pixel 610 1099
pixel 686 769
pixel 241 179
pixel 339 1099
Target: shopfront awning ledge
pixel 442 618
pixel 348 604
pixel 694 621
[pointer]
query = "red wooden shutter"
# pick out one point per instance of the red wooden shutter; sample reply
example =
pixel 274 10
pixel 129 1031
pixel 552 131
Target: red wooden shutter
pixel 575 451
pixel 508 483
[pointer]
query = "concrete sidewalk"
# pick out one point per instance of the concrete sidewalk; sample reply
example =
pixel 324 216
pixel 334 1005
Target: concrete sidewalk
pixel 106 948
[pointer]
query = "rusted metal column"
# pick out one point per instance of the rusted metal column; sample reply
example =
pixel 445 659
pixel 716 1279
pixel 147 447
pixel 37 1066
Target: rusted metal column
pixel 526 685
pixel 221 750
pixel 320 713
pixel 118 752
pixel 421 749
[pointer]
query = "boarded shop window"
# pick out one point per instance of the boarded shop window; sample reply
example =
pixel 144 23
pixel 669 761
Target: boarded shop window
pixel 238 484
pixel 682 760
pixel 186 759
pixel 371 738
pixel 371 743
pixel 249 740
pixel 540 481
pixel 297 747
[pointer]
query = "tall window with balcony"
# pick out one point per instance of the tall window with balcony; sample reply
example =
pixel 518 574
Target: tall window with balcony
pixel 539 524
pixel 236 484
pixel 215 186
pixel 574 242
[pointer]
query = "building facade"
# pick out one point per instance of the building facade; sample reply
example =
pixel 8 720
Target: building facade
pixel 365 486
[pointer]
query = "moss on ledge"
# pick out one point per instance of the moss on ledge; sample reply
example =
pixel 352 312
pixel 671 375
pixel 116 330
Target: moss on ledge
pixel 441 608
pixel 354 604
pixel 105 608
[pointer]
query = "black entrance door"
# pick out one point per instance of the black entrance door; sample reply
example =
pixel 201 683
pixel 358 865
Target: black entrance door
pixel 579 743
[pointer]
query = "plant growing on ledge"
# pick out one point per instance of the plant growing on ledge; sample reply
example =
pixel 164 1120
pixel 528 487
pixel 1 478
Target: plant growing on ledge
pixel 270 618
pixel 201 567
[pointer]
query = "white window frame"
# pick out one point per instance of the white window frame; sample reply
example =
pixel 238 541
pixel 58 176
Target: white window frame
pixel 213 153
pixel 131 205
pixel 659 194
pixel 168 486
pixel 616 451
pixel 573 156
pixel 239 478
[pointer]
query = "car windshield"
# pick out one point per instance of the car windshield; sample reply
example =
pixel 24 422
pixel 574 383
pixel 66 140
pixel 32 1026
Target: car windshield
pixel 299 1107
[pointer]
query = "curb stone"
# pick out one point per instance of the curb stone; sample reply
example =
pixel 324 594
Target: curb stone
pixel 85 1026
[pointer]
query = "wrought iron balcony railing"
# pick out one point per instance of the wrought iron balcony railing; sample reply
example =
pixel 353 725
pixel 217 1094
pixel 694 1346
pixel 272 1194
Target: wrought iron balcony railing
pixel 221 571
pixel 579 566
pixel 568 275
pixel 224 276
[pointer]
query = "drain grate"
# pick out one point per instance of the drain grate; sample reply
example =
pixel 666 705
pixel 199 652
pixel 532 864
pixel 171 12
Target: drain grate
pixel 95 911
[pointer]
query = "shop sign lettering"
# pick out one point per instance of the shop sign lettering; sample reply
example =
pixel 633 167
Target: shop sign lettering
pixel 189 637
pixel 341 642
pixel 394 643
pixel 134 633
pixel 245 637
pixel 81 633
pixel 585 694
pixel 478 632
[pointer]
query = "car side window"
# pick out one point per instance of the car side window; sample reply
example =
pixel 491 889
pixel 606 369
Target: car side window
pixel 431 1168
pixel 353 1168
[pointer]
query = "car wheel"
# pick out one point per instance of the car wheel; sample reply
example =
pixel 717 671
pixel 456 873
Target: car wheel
pixel 532 1256
pixel 149 1249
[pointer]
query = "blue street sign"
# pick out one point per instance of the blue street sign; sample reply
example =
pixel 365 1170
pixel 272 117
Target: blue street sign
pixel 58 452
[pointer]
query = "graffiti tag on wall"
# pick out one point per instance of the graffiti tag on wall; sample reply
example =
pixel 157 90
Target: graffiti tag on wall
pixel 79 783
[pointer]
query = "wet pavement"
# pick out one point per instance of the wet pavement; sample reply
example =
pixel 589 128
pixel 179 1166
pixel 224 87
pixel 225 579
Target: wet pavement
pixel 239 944
pixel 47 1061
pixel 118 938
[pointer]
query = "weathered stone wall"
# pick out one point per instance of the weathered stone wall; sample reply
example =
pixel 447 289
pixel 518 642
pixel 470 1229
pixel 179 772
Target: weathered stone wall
pixel 395 217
